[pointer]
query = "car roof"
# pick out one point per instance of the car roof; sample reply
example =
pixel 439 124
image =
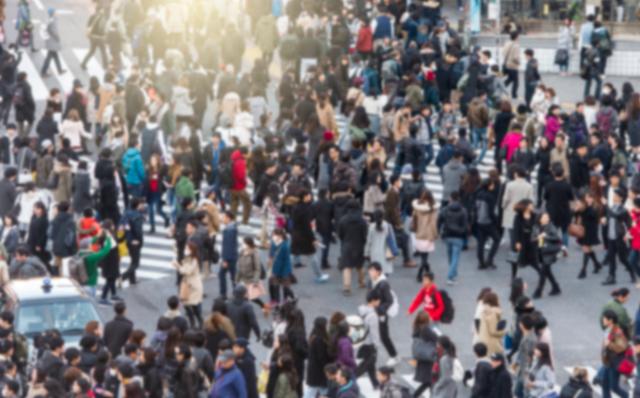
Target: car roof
pixel 25 290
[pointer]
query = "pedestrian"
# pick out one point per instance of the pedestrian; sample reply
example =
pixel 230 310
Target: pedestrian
pixel 190 288
pixel 531 75
pixel 386 300
pixel 549 245
pixel 562 57
pixel 445 387
pixel 239 184
pixel 241 314
pixel 303 238
pixel 249 273
pixel 118 330
pixel 424 352
pixel 63 235
pixel 515 191
pixel 428 298
pixel 97 32
pixel 486 223
pixel 381 243
pixel 511 64
pixel 92 258
pixel 501 384
pixel 454 223
pixel 133 168
pixel 392 214
pixel 424 227
pixel 133 223
pixel 110 264
pixel 617 223
pixel 525 244
pixel 281 271
pixel 343 347
pixel 614 347
pixel 229 254
pixel 541 374
pixel 492 327
pixel 352 232
pixel 23 104
pixel 53 44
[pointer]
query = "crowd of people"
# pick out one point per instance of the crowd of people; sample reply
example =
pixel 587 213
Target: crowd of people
pixel 118 152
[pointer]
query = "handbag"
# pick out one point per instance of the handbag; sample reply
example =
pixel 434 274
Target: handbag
pixel 422 350
pixel 561 57
pixel 512 256
pixel 183 293
pixel 25 176
pixel 626 365
pixel 576 230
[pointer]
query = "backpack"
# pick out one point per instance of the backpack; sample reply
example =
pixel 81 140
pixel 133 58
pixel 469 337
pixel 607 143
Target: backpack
pixel 483 216
pixel 78 270
pixel 19 96
pixel 449 310
pixel 394 308
pixel 226 175
pixel 604 120
pixel 454 224
pixel 70 239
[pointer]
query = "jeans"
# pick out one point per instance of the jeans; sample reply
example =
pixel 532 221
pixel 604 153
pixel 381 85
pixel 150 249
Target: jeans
pixel 587 86
pixel 324 258
pixel 611 382
pixel 222 275
pixel 513 79
pixel 529 89
pixel 51 55
pixel 110 285
pixel 155 204
pixel 479 140
pixel 428 150
pixel 135 190
pixel 634 260
pixel 402 240
pixel 314 392
pixel 309 259
pixel 454 248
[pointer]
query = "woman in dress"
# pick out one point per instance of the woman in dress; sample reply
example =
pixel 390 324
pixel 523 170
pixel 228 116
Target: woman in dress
pixel 588 213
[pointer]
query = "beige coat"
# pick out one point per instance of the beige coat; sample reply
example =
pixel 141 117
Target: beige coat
pixel 213 216
pixel 560 156
pixel 514 192
pixel 107 92
pixel 511 52
pixel 426 219
pixel 488 332
pixel 327 118
pixel 63 191
pixel 400 126
pixel 190 272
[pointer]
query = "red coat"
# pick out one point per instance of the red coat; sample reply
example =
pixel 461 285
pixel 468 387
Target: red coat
pixel 238 171
pixel 634 231
pixel 431 301
pixel 364 44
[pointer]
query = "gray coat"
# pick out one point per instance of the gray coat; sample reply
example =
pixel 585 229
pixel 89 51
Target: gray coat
pixel 32 267
pixel 53 37
pixel 445 387
pixel 452 174
pixel 8 195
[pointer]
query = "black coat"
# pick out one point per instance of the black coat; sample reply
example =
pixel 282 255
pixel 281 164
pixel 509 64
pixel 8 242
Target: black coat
pixel 8 196
pixel 47 129
pixel 523 231
pixel 152 376
pixel 111 264
pixel 352 232
pixel 76 101
pixel 558 195
pixel 302 236
pixel 590 219
pixel 579 170
pixel 116 334
pixel 63 232
pixel 247 365
pixel 423 372
pixel 318 358
pixel 37 236
pixel 81 192
pixel 323 213
pixel 25 111
pixel 240 312
pixel 482 380
pixel 501 385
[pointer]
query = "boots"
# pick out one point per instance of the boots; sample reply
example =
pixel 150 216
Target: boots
pixel 596 264
pixel 585 262
pixel 361 278
pixel 611 280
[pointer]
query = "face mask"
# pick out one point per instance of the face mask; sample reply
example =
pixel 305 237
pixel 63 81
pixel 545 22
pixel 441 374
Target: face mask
pixel 606 91
pixel 277 240
pixel 187 253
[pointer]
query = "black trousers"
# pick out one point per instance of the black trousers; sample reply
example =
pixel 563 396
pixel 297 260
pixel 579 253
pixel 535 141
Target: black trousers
pixel 384 336
pixel 485 232
pixel 110 285
pixel 402 240
pixel 513 79
pixel 51 55
pixel 547 274
pixel 617 248
pixel 369 356
pixel 134 253
pixel 93 46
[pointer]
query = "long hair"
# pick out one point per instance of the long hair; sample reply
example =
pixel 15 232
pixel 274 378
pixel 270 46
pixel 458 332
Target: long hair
pixel 319 330
pixel 378 220
pixel 545 355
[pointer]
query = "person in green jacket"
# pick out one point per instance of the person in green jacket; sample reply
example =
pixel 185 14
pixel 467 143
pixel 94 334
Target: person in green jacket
pixel 620 297
pixel 184 189
pixel 92 258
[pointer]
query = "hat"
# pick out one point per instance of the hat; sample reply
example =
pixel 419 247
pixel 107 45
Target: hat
pixel 77 83
pixel 45 144
pixel 497 357
pixel 241 342
pixel 226 355
pixel 386 370
pixel 328 135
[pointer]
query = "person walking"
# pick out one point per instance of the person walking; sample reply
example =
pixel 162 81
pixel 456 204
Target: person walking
pixel 454 223
pixel 424 220
pixel 424 352
pixel 558 196
pixel 229 255
pixel 511 64
pixel 381 245
pixel 249 272
pixel 486 223
pixel 492 327
pixel 303 238
pixel 614 347
pixel 617 223
pixel 53 44
pixel 97 32
pixel 564 46
pixel 352 232
pixel 541 374
pixel 190 288
pixel 238 188
pixel 280 269
pixel 110 265
pixel 549 245
pixel 445 387
pixel 133 223
pixel 524 238
pixel 319 357
pixel 515 191
pixel 63 235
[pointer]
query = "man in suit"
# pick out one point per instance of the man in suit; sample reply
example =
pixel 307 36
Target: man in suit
pixel 118 330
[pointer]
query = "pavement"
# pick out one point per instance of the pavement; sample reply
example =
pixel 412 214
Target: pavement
pixel 573 316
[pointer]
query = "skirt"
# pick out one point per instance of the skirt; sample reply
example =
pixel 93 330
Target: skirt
pixel 423 246
pixel 255 290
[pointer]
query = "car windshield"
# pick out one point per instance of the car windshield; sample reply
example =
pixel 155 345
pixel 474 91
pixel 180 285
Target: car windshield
pixel 69 317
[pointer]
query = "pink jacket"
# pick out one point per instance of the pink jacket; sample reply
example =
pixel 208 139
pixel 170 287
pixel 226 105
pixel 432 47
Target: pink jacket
pixel 551 128
pixel 511 141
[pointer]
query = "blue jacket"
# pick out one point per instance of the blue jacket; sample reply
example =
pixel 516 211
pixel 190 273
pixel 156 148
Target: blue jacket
pixel 281 255
pixel 133 167
pixel 230 243
pixel 229 384
pixel 383 27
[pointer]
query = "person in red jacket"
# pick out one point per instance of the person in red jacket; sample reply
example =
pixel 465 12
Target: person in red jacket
pixel 364 43
pixel 239 186
pixel 634 233
pixel 429 298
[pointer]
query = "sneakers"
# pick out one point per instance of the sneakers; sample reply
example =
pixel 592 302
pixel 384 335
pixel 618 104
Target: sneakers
pixel 392 361
pixel 451 282
pixel 116 298
pixel 322 278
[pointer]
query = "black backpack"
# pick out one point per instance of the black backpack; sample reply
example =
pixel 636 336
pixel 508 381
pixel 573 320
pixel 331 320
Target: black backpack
pixel 226 175
pixel 454 223
pixel 449 310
